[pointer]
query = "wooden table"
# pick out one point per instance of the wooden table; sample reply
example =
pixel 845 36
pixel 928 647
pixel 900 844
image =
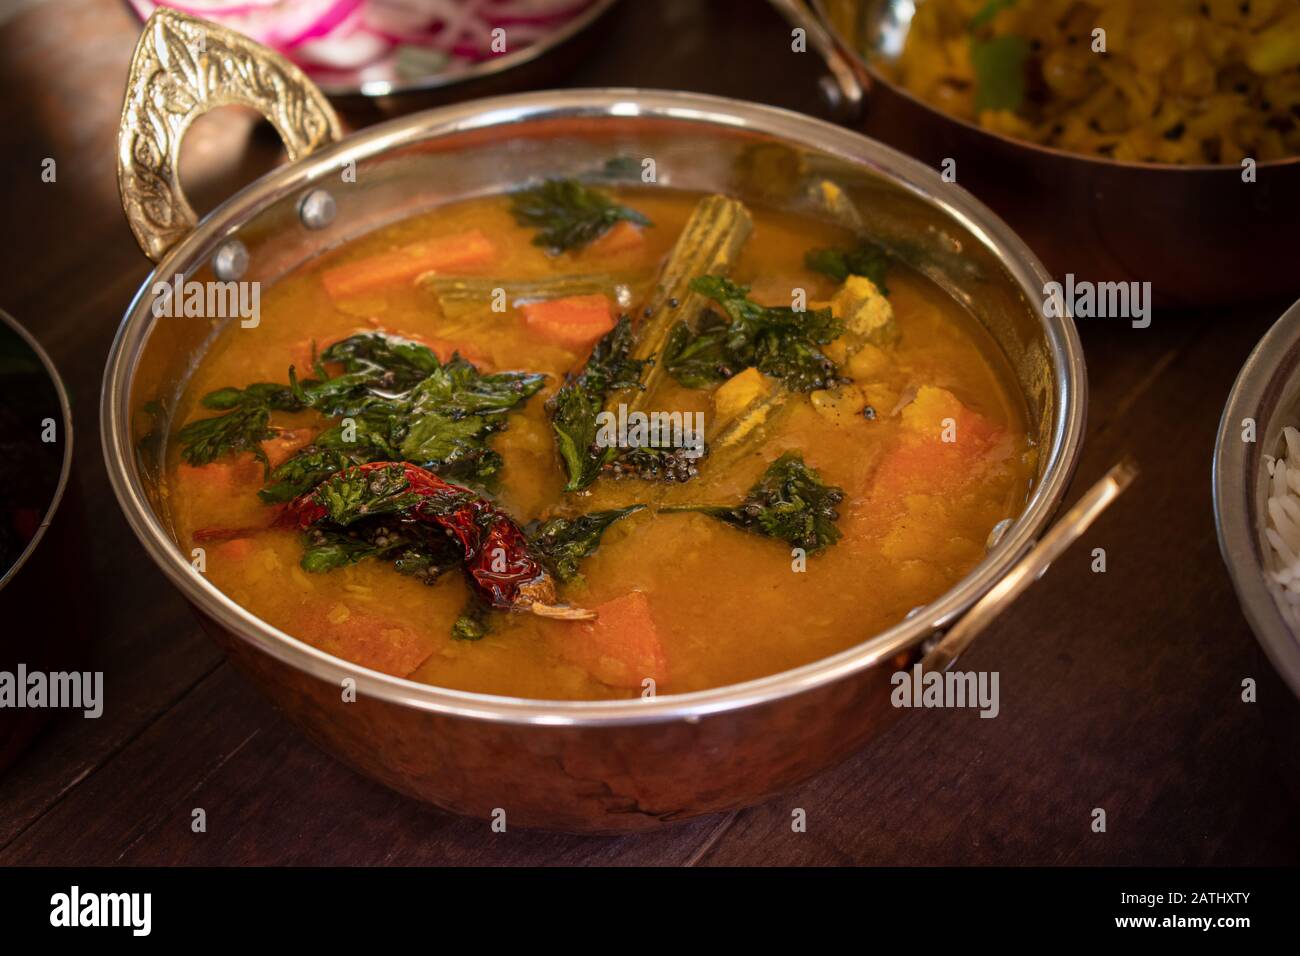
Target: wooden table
pixel 1120 690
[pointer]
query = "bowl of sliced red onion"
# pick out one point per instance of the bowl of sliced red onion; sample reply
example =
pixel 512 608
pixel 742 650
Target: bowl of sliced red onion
pixel 376 48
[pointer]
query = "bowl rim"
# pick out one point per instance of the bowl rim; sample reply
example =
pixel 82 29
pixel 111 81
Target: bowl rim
pixel 65 469
pixel 1066 355
pixel 860 60
pixel 1234 481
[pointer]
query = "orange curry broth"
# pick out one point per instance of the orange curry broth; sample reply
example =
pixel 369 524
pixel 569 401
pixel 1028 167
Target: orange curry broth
pixel 720 605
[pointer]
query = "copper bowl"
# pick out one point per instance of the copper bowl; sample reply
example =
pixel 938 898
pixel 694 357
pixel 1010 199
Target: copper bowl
pixel 575 765
pixel 1199 234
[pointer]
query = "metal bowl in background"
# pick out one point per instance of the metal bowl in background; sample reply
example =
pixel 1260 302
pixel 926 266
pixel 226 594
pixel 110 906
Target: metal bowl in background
pixel 574 765
pixel 1199 234
pixel 39 627
pixel 1267 392
pixel 383 87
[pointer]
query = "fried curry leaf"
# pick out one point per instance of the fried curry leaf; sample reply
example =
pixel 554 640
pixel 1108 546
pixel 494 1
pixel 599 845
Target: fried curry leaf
pixel 328 549
pixel 569 215
pixel 426 556
pixel 582 397
pixel 474 622
pixel 778 341
pixel 790 502
pixel 699 358
pixel 369 516
pixel 387 361
pixel 351 495
pixel 865 259
pixel 396 401
pixel 562 542
pixel 410 548
pixel 243 427
pixel 454 410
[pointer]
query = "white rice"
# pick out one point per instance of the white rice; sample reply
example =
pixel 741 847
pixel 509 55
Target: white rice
pixel 1283 529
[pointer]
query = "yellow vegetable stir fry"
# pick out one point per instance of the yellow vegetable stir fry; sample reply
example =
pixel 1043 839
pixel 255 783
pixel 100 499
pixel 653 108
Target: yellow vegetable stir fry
pixel 1150 81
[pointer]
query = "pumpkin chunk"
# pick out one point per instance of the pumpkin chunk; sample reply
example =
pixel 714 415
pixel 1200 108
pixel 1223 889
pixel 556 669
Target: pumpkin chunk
pixel 621 647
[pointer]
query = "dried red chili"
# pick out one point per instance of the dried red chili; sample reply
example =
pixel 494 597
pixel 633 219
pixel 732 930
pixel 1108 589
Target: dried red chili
pixel 498 561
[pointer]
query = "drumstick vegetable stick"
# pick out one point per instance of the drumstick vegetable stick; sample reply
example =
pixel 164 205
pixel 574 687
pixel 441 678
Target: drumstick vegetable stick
pixel 709 244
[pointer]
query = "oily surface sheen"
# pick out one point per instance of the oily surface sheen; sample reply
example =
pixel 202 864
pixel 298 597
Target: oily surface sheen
pixel 723 605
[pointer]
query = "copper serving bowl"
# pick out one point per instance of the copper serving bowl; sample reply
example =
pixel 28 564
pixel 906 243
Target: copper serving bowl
pixel 577 765
pixel 1199 234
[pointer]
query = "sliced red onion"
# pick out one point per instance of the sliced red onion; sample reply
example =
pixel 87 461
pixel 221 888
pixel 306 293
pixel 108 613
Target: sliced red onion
pixel 280 24
pixel 350 46
pixel 350 34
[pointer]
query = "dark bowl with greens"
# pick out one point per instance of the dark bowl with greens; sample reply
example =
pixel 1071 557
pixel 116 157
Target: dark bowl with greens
pixel 35 462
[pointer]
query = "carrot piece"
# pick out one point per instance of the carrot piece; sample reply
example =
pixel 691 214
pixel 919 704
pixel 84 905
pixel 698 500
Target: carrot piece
pixel 942 445
pixel 230 474
pixel 369 639
pixel 222 476
pixel 284 445
pixel 236 549
pixel 924 478
pixel 464 250
pixel 621 237
pixel 621 647
pixel 574 322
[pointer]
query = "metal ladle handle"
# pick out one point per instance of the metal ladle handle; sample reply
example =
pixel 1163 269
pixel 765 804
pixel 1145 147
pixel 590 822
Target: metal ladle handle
pixel 845 90
pixel 182 68
pixel 1031 567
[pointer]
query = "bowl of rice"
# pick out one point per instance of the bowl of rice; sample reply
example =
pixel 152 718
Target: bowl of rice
pixel 1126 140
pixel 1257 493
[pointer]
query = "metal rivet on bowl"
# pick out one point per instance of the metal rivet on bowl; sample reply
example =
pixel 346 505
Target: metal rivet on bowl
pixel 317 209
pixel 230 261
pixel 996 534
pixel 831 93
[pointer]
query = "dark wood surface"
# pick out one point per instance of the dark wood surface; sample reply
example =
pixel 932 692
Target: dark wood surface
pixel 1120 690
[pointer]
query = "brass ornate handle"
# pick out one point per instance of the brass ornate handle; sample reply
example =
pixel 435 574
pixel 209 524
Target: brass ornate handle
pixel 182 68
